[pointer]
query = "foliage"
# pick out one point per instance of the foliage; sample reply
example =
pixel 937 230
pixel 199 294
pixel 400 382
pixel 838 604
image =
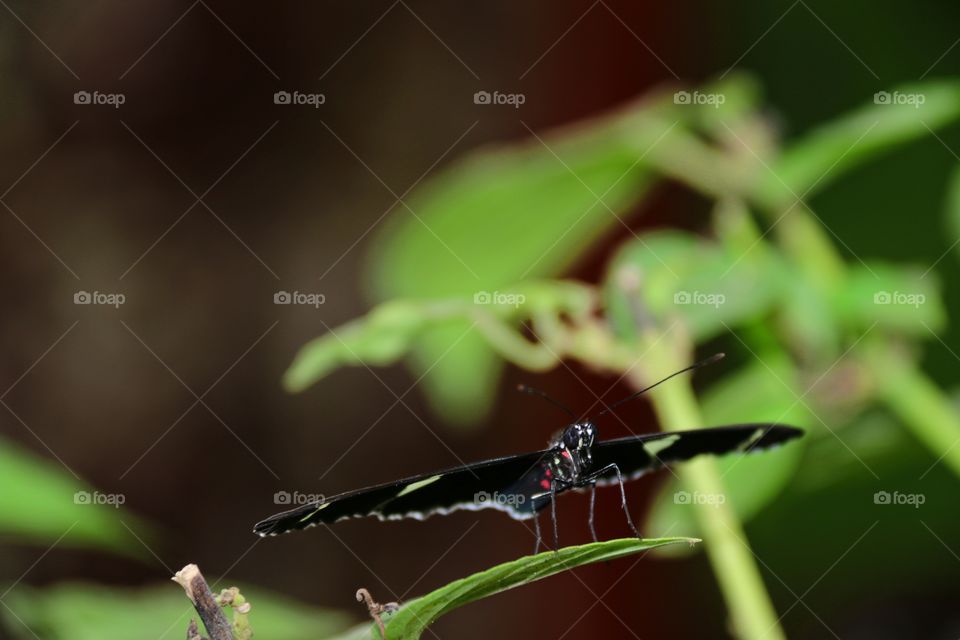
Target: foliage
pixel 49 505
pixel 767 279
pixel 471 269
pixel 77 611
pixel 412 619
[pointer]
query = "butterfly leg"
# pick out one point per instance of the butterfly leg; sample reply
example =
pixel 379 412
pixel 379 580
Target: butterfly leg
pixel 592 478
pixel 623 501
pixel 536 526
pixel 593 500
pixel 553 515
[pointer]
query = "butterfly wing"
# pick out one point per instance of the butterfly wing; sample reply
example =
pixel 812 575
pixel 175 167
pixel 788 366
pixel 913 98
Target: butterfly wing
pixel 492 484
pixel 637 455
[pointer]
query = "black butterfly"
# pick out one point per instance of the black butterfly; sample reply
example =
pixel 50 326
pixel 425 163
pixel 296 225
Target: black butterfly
pixel 522 485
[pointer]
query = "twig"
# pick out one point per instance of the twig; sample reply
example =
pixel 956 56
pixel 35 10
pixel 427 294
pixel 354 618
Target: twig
pixel 203 601
pixel 193 633
pixel 376 609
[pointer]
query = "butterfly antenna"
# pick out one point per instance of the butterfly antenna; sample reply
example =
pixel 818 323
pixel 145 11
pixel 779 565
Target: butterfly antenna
pixel 696 365
pixel 522 388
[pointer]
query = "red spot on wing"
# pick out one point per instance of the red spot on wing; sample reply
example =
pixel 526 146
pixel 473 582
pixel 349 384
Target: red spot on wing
pixel 566 454
pixel 545 484
pixel 548 473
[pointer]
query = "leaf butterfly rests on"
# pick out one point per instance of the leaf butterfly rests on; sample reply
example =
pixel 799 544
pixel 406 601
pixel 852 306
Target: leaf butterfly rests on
pixel 525 484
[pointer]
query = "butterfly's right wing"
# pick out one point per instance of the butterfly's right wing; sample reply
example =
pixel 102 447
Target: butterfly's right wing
pixel 637 455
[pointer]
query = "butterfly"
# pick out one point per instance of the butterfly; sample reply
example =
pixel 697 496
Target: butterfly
pixel 523 485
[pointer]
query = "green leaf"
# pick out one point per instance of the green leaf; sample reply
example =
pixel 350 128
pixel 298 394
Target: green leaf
pixel 742 97
pixel 414 617
pixel 897 298
pixel 808 320
pixel 92 612
pixel 389 331
pixel 825 154
pixel 670 276
pixel 953 209
pixel 503 215
pixel 48 504
pixel 380 338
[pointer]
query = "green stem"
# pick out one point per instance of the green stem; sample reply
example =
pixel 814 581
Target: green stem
pixel 508 342
pixel 919 402
pixel 902 386
pixel 752 613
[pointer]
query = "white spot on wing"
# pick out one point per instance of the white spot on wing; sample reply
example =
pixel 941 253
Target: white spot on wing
pixel 418 485
pixel 654 447
pixel 752 440
pixel 322 505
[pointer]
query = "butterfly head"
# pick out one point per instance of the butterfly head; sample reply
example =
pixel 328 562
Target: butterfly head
pixel 579 436
pixel 576 441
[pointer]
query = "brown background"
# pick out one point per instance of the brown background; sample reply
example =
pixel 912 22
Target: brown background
pixel 199 102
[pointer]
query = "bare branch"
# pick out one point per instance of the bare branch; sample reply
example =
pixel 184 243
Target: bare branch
pixel 203 601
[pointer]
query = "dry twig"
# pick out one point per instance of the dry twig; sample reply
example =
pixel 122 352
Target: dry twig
pixel 203 601
pixel 376 609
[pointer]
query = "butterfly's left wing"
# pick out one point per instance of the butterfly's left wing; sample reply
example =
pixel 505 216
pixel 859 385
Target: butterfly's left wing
pixel 637 455
pixel 483 485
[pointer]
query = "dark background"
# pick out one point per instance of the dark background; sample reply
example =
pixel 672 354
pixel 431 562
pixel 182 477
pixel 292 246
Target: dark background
pixel 109 208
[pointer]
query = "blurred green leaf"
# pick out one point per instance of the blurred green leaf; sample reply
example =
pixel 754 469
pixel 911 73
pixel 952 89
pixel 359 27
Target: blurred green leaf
pixel 670 276
pixel 826 153
pixel 92 612
pixel 953 209
pixel 42 503
pixel 413 618
pixel 808 320
pixel 390 330
pixel 872 440
pixel 380 338
pixel 897 298
pixel 500 216
pixel 742 97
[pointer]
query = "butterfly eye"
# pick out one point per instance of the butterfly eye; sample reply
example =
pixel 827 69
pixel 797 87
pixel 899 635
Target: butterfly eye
pixel 578 435
pixel 589 433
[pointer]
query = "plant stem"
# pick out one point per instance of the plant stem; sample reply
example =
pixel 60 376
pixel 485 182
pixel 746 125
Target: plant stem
pixel 752 613
pixel 203 601
pixel 918 401
pixel 902 385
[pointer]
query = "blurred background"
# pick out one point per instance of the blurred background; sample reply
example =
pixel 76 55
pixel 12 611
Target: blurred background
pixel 198 197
